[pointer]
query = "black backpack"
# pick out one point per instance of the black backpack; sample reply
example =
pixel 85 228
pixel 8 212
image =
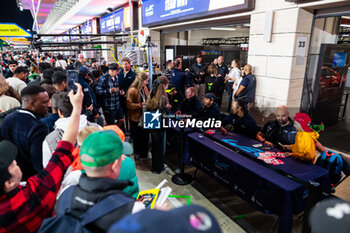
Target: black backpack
pixel 333 163
pixel 64 221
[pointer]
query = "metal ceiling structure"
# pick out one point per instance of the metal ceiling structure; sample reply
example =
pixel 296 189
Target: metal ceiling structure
pixel 39 44
pixel 57 16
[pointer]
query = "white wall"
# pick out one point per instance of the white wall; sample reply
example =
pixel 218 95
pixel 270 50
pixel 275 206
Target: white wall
pixel 279 79
pixel 196 36
pixel 173 39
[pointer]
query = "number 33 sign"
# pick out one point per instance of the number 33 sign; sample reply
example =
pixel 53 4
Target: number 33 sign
pixel 301 50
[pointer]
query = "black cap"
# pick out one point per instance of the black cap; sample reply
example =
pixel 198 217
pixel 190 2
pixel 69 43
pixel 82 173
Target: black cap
pixel 210 96
pixel 170 88
pixel 332 215
pixel 113 66
pixel 8 153
pixel 189 219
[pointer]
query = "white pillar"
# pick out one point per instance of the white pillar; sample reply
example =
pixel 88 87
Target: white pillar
pixel 279 77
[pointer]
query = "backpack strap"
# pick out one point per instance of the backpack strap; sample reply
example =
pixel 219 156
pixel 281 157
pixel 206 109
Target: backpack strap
pixel 104 207
pixel 65 200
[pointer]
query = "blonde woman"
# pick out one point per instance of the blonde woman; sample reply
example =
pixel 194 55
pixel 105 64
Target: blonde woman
pixel 6 102
pixel 136 98
pixel 158 100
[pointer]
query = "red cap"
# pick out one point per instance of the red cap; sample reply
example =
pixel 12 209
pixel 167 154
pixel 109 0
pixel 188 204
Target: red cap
pixel 304 120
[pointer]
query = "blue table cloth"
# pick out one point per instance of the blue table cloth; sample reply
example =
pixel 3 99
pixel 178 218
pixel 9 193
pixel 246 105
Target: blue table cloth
pixel 266 189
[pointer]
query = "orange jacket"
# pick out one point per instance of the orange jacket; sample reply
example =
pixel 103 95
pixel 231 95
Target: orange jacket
pixel 304 147
pixel 76 164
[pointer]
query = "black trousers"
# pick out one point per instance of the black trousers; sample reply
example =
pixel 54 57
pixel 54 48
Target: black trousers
pixel 112 115
pixel 140 138
pixel 158 140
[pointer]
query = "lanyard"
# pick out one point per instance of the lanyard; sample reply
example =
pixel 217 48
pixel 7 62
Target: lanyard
pixel 143 95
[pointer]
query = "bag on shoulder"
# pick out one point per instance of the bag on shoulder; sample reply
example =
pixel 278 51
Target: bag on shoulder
pixel 333 163
pixel 64 221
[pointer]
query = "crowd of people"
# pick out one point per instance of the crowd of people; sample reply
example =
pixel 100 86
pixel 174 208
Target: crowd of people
pixel 52 130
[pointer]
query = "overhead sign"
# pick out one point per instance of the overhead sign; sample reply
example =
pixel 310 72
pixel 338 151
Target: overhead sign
pixel 106 22
pixel 13 30
pixel 15 40
pixel 74 31
pixel 86 28
pixel 89 27
pixel 157 12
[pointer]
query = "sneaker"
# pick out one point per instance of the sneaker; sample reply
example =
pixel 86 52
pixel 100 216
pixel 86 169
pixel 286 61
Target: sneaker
pixel 155 172
pixel 165 170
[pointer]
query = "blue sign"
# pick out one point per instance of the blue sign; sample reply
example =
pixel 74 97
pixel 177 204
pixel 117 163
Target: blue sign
pixel 151 120
pixel 106 22
pixel 86 28
pixel 74 31
pixel 163 11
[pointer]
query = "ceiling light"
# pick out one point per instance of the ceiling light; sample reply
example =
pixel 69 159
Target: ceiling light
pixel 345 25
pixel 223 29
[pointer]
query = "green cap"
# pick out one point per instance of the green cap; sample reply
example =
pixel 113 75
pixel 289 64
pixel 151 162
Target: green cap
pixel 104 147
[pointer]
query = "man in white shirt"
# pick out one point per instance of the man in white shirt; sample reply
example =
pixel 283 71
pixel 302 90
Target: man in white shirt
pixel 18 81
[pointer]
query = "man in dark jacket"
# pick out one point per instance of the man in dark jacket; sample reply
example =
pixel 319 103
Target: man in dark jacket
pixel 192 104
pixel 280 131
pixel 239 120
pixel 126 78
pixel 211 109
pixel 222 71
pixel 199 69
pixel 126 75
pixel 24 129
pixel 175 98
pixel 101 155
pixel 90 101
pixel 178 78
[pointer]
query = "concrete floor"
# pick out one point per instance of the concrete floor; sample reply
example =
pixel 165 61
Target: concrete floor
pixel 148 180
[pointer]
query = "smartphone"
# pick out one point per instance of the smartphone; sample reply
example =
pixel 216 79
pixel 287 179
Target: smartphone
pixel 72 78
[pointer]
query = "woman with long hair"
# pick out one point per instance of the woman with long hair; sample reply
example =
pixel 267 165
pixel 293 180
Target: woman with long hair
pixel 136 98
pixel 158 100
